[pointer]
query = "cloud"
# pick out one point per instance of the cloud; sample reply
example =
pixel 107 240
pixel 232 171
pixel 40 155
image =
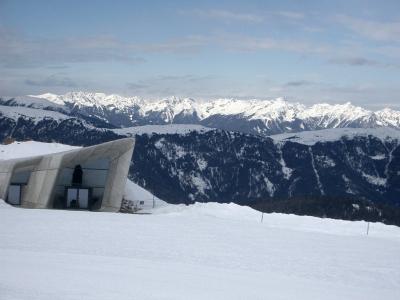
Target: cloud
pixel 354 61
pixel 362 62
pixel 188 44
pixel 136 86
pixel 167 80
pixel 228 16
pixel 298 83
pixel 171 84
pixel 51 81
pixel 380 31
pixel 294 15
pixel 249 43
pixel 20 51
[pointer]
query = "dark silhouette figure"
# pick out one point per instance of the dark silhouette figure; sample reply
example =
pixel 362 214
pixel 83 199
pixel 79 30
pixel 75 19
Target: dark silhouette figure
pixel 74 204
pixel 77 175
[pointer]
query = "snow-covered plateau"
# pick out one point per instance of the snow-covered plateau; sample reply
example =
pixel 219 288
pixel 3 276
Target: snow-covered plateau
pixel 335 134
pixel 201 251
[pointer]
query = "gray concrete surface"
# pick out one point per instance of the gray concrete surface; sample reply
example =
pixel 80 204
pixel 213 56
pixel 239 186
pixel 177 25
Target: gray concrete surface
pixel 45 171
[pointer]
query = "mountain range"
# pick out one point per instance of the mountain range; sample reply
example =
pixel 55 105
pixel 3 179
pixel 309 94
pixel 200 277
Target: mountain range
pixel 260 117
pixel 341 172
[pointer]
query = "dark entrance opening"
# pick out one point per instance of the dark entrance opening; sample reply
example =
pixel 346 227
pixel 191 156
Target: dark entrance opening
pixel 77 175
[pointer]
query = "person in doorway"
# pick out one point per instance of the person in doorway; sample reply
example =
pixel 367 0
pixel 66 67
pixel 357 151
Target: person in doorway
pixel 77 176
pixel 74 204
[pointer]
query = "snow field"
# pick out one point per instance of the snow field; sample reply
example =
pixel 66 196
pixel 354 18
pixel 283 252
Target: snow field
pixel 212 251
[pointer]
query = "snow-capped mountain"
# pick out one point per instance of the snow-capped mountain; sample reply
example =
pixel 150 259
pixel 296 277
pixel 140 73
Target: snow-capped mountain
pixel 326 170
pixel 262 117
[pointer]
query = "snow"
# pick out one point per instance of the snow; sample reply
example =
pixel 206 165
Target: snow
pixel 142 199
pixel 335 134
pixel 48 100
pixel 266 110
pixel 270 187
pixel 375 180
pixel 90 99
pixel 316 172
pixel 389 117
pixel 161 129
pixel 336 114
pixel 287 172
pixel 31 148
pixel 348 185
pixel 15 112
pixel 254 109
pixel 199 183
pixel 378 156
pixel 202 251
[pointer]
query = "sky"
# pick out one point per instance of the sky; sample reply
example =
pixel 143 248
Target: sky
pixel 304 51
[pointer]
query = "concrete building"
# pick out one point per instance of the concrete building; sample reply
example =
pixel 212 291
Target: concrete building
pixel 86 178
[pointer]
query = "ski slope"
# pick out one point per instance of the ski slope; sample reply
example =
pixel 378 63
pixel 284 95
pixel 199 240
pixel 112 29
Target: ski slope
pixel 204 251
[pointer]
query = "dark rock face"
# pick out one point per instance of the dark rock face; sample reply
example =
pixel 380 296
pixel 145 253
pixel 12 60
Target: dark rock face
pixel 70 131
pixel 223 167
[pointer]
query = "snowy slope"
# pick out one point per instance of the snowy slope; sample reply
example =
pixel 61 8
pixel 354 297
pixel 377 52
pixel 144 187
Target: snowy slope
pixel 89 99
pixel 330 135
pixel 205 251
pixel 202 251
pixel 31 148
pixel 15 112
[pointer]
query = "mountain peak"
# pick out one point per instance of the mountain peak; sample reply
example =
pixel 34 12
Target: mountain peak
pixel 261 116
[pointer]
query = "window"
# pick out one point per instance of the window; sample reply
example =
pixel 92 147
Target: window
pixel 141 202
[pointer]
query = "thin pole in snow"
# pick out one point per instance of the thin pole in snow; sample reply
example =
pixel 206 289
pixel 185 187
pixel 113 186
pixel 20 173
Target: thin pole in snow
pixel 153 202
pixel 262 216
pixel 367 227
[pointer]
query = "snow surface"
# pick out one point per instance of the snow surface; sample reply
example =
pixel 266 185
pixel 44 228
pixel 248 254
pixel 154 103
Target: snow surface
pixel 15 112
pixel 31 148
pixel 161 129
pixel 203 251
pixel 334 134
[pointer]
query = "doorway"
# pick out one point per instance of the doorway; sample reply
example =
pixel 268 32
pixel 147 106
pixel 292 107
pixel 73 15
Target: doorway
pixel 77 198
pixel 14 194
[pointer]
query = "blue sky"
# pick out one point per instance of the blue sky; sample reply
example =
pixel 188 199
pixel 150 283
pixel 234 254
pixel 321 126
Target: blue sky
pixel 306 51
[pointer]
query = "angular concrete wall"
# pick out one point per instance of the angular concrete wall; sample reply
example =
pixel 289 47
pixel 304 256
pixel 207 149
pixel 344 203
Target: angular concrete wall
pixel 46 169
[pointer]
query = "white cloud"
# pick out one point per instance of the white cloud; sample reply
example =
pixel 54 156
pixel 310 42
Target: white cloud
pixel 228 16
pixel 380 31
